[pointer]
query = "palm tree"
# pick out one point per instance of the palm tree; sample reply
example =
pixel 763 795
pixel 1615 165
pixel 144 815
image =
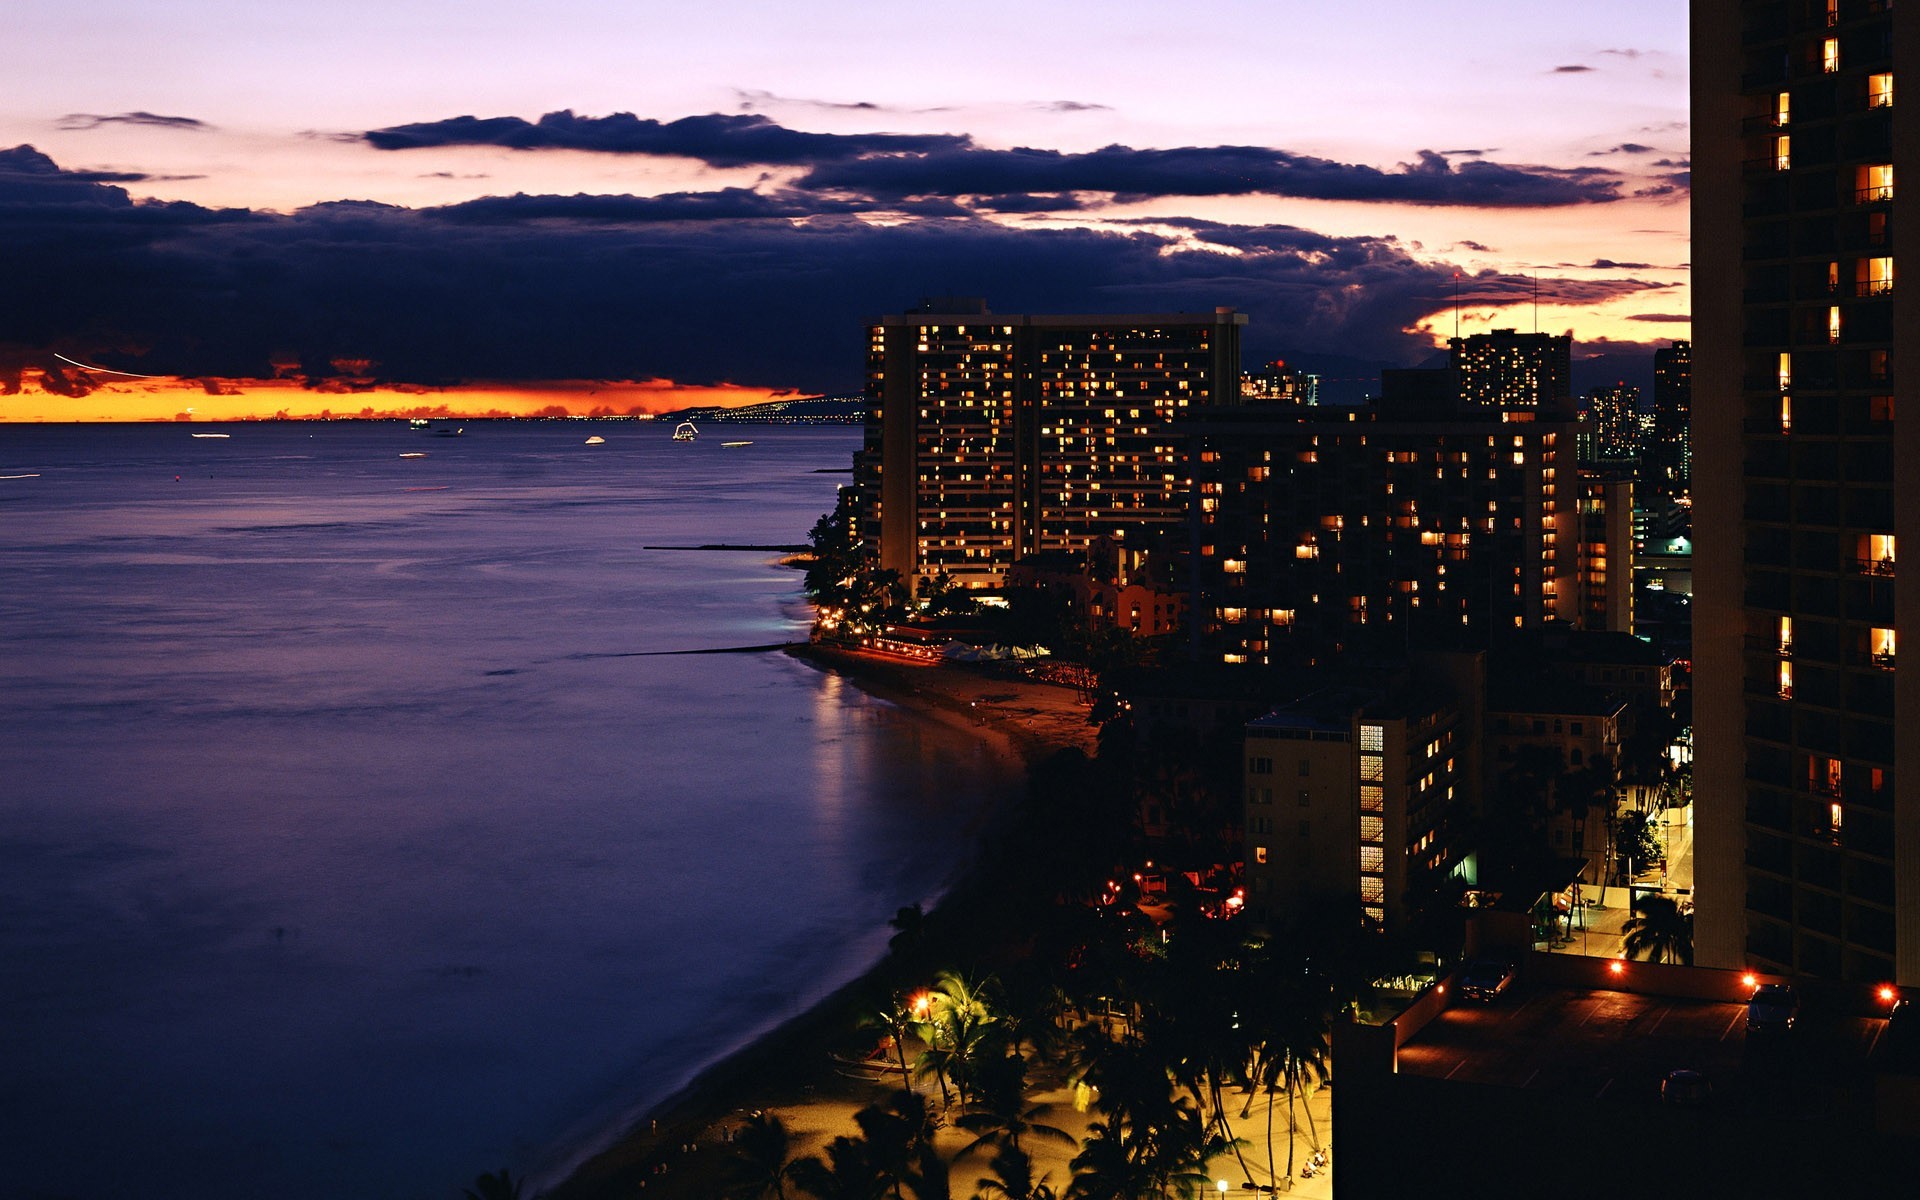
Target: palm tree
pixel 1012 1178
pixel 847 1173
pixel 1660 929
pixel 1002 1115
pixel 957 1027
pixel 760 1160
pixel 497 1185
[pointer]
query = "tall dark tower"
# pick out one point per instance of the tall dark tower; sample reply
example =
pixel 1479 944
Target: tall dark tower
pixel 1667 457
pixel 1807 850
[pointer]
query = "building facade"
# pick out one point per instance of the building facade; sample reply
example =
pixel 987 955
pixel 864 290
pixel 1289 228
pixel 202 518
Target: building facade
pixel 1666 457
pixel 1807 851
pixel 1513 371
pixel 1356 791
pixel 1324 528
pixel 990 437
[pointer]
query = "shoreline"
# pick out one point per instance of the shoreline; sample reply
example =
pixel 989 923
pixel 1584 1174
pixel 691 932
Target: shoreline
pixel 668 1151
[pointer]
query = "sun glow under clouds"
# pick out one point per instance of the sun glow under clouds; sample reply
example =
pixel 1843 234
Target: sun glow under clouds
pixel 251 399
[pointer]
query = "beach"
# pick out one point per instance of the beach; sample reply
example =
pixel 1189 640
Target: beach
pixel 681 1151
pixel 677 1148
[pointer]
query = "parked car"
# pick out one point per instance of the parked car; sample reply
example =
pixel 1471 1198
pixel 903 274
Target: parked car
pixel 1774 1008
pixel 1486 979
pixel 1685 1087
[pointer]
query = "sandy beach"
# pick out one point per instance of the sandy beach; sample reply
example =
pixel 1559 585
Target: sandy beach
pixel 675 1150
pixel 681 1151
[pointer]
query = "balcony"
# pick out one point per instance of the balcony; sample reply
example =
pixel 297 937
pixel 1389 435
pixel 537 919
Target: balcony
pixel 1874 566
pixel 1879 193
pixel 1873 287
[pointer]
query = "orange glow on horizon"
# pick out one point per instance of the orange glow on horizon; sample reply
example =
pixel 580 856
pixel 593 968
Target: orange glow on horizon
pixel 269 399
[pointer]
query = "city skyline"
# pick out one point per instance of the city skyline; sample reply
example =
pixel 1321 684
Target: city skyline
pixel 366 202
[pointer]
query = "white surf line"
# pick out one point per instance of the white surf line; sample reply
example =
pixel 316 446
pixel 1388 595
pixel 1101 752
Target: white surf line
pixel 104 370
pixel 35 475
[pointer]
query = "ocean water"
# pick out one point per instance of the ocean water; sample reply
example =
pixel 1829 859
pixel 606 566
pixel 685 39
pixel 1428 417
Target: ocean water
pixel 359 830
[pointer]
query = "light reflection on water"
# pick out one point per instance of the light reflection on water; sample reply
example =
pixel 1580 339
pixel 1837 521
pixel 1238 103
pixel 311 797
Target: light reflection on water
pixel 353 839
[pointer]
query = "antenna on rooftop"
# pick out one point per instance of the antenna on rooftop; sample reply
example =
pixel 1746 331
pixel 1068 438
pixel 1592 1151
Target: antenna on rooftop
pixel 1456 305
pixel 1536 299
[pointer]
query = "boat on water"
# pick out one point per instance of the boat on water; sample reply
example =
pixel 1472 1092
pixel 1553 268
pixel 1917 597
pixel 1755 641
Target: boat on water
pixel 419 423
pixel 212 435
pixel 731 445
pixel 596 440
pixel 447 430
pixel 685 432
pixel 415 454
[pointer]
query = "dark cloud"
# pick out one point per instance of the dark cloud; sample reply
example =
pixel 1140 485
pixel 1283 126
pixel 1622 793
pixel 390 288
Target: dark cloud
pixel 752 99
pixel 725 204
pixel 1480 153
pixel 1682 163
pixel 891 168
pixel 1573 69
pixel 1071 106
pixel 1625 53
pixel 82 121
pixel 765 290
pixel 1622 148
pixel 718 139
pixel 1607 264
pixel 1484 249
pixel 1663 318
pixel 1130 174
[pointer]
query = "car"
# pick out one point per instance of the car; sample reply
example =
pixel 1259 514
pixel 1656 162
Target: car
pixel 1774 1008
pixel 1486 979
pixel 1686 1087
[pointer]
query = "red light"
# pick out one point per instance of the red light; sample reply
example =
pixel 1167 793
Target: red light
pixel 1748 979
pixel 1887 994
pixel 1443 989
pixel 1616 966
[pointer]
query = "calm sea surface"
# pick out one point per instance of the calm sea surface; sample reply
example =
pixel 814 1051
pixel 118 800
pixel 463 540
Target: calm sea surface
pixel 355 834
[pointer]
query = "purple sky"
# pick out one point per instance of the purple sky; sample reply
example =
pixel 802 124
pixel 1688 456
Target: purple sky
pixel 1326 167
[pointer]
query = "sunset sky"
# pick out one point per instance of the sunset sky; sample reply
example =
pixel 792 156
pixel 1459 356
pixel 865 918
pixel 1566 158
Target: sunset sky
pixel 590 203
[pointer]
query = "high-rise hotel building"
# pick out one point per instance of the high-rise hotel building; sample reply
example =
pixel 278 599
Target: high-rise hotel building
pixel 1807 850
pixel 990 437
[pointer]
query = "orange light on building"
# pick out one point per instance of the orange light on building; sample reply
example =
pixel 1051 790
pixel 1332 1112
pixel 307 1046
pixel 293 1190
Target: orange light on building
pixel 1616 967
pixel 1887 994
pixel 1749 979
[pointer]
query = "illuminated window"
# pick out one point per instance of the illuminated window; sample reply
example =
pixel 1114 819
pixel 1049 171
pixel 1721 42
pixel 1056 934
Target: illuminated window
pixel 1833 818
pixel 1782 106
pixel 1373 738
pixel 1833 324
pixel 1873 182
pixel 1782 152
pixel 1874 276
pixel 1260 854
pixel 1876 553
pixel 1786 680
pixel 1786 635
pixel 1786 371
pixel 1786 414
pixel 1880 91
pixel 1880 644
pixel 1830 55
pixel 1373 768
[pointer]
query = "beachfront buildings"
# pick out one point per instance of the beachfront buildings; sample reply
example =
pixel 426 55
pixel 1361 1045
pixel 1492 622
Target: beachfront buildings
pixel 990 437
pixel 1513 372
pixel 1807 850
pixel 1319 529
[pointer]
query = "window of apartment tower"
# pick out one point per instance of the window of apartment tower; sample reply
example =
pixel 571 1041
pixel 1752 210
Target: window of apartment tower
pixel 1830 55
pixel 1880 90
pixel 1873 182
